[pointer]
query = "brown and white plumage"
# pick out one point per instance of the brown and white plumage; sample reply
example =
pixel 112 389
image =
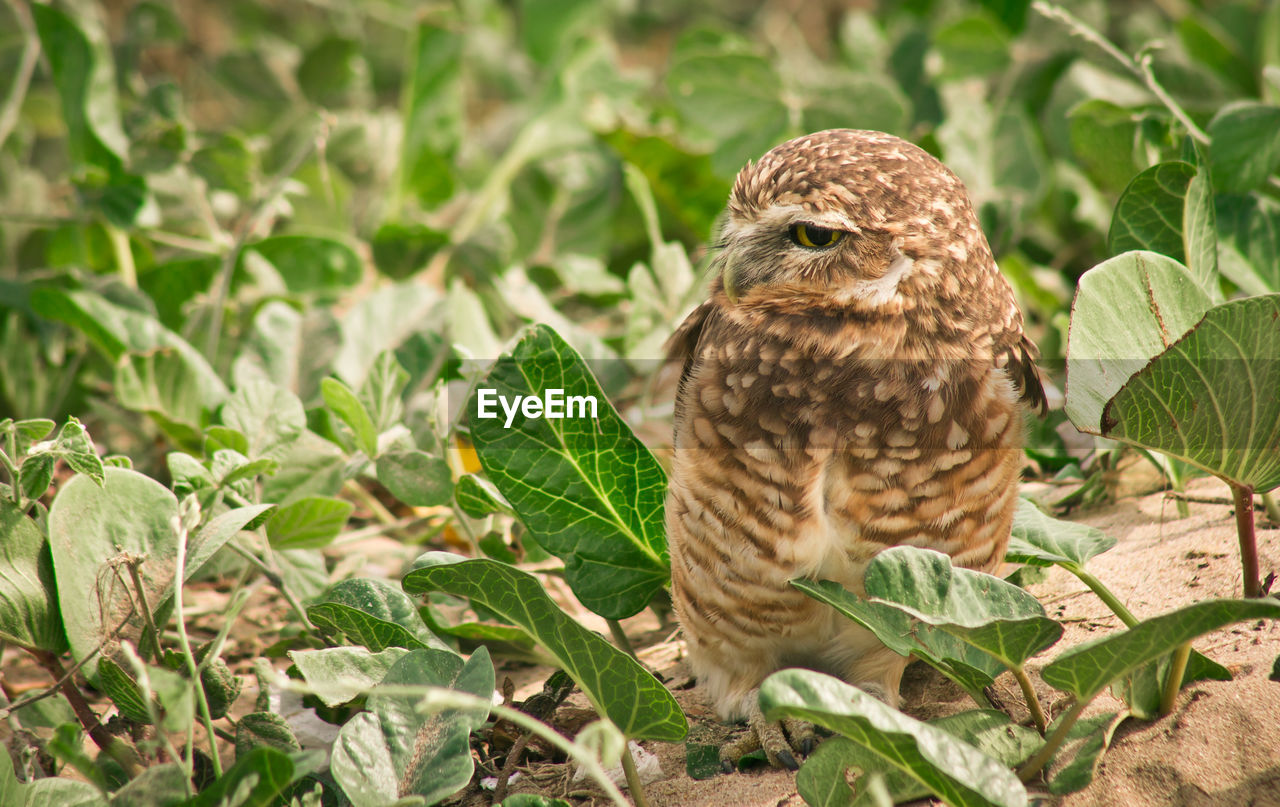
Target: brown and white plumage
pixel 837 401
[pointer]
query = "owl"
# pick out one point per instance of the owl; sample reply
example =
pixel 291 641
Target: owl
pixel 856 381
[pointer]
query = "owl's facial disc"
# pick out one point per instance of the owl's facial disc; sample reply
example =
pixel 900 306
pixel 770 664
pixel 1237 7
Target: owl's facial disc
pixel 784 243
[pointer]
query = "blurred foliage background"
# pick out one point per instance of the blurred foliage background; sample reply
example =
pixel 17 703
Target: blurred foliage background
pixel 290 187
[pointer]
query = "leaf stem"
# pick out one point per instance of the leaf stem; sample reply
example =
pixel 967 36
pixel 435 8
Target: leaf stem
pixel 123 253
pixel 1104 594
pixel 21 76
pixel 88 719
pixel 1271 507
pixel 620 638
pixel 1243 496
pixel 1033 701
pixel 1055 741
pixel 14 488
pixel 133 562
pixel 248 225
pixel 1172 684
pixel 634 785
pixel 380 512
pixel 184 644
pixel 1140 67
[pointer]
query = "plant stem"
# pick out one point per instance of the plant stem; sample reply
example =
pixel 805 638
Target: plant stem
pixel 22 76
pixel 245 230
pixel 1104 594
pixel 184 644
pixel 1271 507
pixel 88 719
pixel 380 512
pixel 620 638
pixel 1055 741
pixel 124 255
pixel 1140 68
pixel 12 470
pixel 633 777
pixel 133 562
pixel 1033 702
pixel 274 578
pixel 1172 684
pixel 1243 496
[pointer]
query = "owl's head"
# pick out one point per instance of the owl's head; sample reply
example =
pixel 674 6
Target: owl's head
pixel 862 215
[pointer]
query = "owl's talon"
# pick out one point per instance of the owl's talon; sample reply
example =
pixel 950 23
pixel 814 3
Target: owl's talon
pixel 788 760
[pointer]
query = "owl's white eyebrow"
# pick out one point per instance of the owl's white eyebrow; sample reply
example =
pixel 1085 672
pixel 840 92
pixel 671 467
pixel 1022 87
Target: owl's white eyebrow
pixel 783 216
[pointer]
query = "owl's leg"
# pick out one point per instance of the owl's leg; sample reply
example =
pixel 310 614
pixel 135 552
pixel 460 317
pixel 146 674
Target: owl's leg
pixel 778 740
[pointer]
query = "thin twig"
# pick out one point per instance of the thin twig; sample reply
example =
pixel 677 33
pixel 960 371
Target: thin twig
pixel 184 644
pixel 133 562
pixel 248 225
pixel 22 76
pixel 87 717
pixel 1140 67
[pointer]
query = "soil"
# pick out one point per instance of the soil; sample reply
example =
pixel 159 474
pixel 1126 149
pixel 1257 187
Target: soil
pixel 1220 747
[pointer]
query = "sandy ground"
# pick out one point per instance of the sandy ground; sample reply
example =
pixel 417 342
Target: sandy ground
pixel 1220 747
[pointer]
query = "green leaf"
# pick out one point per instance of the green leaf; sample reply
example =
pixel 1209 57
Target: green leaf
pixel 822 780
pixel 970 668
pixel 532 800
pixel 382 390
pixel 264 773
pixel 175 394
pixel 996 617
pixel 80 58
pixel 393 750
pixel 49 792
pixel 416 478
pixel 478 497
pixel 29 614
pixel 1042 540
pixel 1102 136
pixel 228 163
pixel 90 526
pixel 1126 311
pixel 344 403
pixel 310 263
pixel 161 785
pixel 948 768
pixel 1249 241
pixel 586 487
pixel 311 522
pixel 380 321
pixel 731 99
pixel 1245 145
pixel 338 674
pixel 1213 398
pixel 1150 211
pixel 270 417
pixel 615 683
pixel 334 74
pixel 433 114
pixel 124 692
pixel 1200 233
pixel 264 729
pixel 1085 670
pixel 971 46
pixel 1082 751
pixel 402 250
pixel 373 613
pixel 115 330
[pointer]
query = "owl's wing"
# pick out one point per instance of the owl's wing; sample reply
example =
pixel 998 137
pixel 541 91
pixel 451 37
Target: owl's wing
pixel 1020 361
pixel 682 345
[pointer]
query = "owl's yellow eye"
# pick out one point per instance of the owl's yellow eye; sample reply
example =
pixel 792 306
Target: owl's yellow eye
pixel 814 237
